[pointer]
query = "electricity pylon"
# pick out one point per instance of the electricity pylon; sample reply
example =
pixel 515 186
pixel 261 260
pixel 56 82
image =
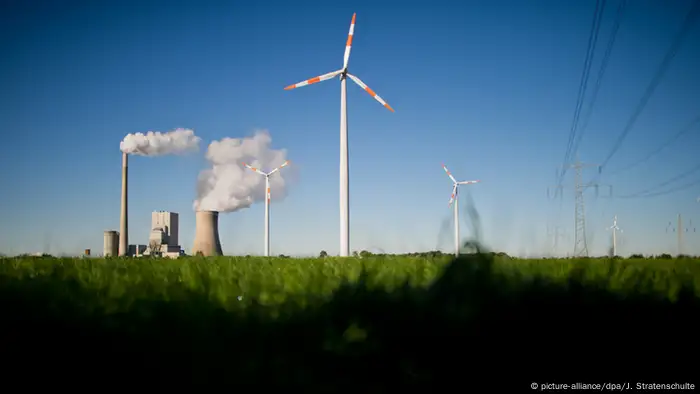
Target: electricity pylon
pixel 679 230
pixel 580 244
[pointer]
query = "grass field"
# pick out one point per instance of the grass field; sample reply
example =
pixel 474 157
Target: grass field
pixel 374 324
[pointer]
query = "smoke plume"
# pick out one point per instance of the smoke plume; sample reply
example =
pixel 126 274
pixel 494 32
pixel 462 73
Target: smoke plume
pixel 178 141
pixel 228 186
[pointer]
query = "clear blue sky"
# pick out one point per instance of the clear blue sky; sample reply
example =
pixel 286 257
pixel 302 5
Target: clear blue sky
pixel 487 87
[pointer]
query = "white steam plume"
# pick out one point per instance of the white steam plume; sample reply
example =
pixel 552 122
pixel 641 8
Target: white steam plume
pixel 228 186
pixel 178 141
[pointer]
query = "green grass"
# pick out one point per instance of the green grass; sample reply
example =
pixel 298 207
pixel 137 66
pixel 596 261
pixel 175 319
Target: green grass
pixel 376 324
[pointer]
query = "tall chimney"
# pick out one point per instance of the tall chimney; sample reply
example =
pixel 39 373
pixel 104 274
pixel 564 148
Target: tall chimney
pixel 123 217
pixel 206 236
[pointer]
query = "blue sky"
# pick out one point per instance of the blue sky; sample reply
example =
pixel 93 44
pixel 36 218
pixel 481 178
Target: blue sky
pixel 487 87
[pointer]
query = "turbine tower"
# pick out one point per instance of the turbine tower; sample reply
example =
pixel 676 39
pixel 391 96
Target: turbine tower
pixel 344 166
pixel 454 198
pixel 267 200
pixel 614 229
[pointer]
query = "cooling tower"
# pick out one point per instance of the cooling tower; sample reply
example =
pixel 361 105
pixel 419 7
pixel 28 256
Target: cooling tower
pixel 206 235
pixel 123 221
pixel 110 245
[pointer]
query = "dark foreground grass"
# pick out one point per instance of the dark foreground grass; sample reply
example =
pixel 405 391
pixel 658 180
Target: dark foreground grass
pixel 474 326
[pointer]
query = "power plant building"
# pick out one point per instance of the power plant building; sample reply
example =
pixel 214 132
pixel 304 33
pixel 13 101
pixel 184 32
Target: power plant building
pixel 137 250
pixel 164 235
pixel 111 243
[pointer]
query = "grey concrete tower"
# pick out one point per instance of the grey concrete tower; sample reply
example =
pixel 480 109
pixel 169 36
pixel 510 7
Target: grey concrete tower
pixel 206 236
pixel 123 218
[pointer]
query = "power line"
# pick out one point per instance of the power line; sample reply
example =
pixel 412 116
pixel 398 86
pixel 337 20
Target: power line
pixel 666 192
pixel 601 71
pixel 660 73
pixel 686 129
pixel 646 192
pixel 583 84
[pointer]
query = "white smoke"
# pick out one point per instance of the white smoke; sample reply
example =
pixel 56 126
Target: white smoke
pixel 228 186
pixel 178 141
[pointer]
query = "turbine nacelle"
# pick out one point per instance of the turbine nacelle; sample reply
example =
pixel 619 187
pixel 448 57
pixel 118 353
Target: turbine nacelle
pixel 455 183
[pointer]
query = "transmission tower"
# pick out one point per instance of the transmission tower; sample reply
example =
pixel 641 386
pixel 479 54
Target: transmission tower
pixel 580 244
pixel 679 230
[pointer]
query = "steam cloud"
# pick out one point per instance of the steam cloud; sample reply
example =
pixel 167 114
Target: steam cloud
pixel 228 186
pixel 178 141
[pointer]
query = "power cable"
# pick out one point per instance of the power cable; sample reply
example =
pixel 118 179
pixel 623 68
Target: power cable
pixel 663 193
pixel 686 129
pixel 583 84
pixel 690 18
pixel 645 192
pixel 601 71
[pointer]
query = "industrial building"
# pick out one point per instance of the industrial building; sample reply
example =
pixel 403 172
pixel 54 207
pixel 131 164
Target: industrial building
pixel 137 250
pixel 111 243
pixel 164 236
pixel 162 240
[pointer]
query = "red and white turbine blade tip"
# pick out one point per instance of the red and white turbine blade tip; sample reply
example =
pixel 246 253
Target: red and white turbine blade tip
pixel 314 80
pixel 370 91
pixel 253 168
pixel 448 173
pixel 348 44
pixel 279 168
pixel 452 197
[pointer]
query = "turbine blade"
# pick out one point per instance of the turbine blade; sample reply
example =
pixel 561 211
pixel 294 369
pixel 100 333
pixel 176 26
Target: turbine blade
pixel 348 44
pixel 370 91
pixel 314 80
pixel 453 196
pixel 449 174
pixel 279 168
pixel 468 182
pixel 254 169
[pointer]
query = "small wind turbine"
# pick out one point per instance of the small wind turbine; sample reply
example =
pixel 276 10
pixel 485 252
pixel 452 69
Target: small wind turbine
pixel 344 166
pixel 267 200
pixel 614 229
pixel 454 198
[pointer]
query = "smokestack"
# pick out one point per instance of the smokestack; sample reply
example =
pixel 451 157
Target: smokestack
pixel 123 218
pixel 206 236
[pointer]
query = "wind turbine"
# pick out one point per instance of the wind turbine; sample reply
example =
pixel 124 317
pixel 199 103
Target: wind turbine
pixel 344 166
pixel 614 229
pixel 267 200
pixel 454 198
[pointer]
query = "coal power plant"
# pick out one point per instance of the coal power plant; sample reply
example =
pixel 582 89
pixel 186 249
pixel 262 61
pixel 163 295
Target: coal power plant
pixel 214 192
pixel 206 238
pixel 163 232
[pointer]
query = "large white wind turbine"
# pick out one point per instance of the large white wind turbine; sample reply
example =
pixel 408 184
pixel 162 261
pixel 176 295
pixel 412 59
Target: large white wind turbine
pixel 454 199
pixel 614 229
pixel 267 200
pixel 344 166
